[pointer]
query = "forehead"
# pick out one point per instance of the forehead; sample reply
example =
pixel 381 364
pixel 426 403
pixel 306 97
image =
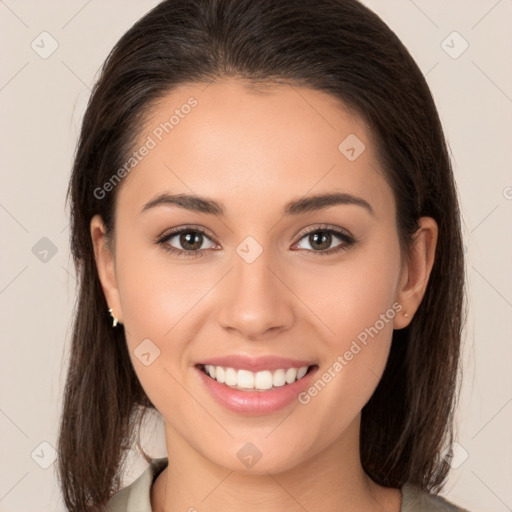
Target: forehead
pixel 253 146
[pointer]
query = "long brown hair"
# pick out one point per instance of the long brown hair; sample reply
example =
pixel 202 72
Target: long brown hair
pixel 335 46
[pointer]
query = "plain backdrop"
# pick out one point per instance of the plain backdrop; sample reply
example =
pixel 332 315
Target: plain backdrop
pixel 51 55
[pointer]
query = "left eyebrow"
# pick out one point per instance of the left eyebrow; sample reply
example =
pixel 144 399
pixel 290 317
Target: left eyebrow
pixel 296 207
pixel 320 201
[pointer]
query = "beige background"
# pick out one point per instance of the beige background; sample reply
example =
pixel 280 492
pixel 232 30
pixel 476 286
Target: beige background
pixel 42 102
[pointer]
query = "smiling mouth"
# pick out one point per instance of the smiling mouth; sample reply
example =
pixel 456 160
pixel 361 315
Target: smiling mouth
pixel 246 380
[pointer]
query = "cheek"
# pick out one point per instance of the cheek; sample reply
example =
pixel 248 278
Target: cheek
pixel 157 301
pixel 156 291
pixel 354 301
pixel 350 296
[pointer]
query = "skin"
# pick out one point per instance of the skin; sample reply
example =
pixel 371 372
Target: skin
pixel 254 151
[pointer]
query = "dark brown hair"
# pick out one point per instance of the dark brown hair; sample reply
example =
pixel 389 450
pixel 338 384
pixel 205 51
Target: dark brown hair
pixel 334 46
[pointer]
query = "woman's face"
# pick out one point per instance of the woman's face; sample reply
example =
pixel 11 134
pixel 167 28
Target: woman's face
pixel 266 287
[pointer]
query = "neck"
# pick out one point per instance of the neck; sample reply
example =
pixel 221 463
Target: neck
pixel 331 480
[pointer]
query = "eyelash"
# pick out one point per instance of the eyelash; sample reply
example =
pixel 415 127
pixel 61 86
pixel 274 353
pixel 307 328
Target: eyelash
pixel 348 241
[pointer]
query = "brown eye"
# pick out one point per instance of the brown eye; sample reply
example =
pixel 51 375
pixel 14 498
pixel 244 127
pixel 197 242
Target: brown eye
pixel 321 239
pixel 190 240
pixel 185 242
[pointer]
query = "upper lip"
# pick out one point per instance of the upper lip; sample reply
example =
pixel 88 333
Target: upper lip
pixel 255 364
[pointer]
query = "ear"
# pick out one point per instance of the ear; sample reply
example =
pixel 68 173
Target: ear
pixel 105 263
pixel 416 271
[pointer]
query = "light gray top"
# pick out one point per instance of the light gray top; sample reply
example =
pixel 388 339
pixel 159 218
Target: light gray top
pixel 136 496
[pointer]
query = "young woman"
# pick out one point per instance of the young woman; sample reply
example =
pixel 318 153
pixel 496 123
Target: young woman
pixel 266 229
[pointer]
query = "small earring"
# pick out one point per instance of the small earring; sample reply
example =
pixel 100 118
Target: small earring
pixel 116 320
pixel 406 315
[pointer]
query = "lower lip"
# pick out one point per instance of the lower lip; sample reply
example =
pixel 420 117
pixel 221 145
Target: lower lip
pixel 256 402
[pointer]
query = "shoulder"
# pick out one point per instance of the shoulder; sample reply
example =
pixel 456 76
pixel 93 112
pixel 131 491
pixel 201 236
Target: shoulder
pixel 136 497
pixel 415 499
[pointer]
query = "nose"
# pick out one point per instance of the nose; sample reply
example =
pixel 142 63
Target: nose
pixel 256 301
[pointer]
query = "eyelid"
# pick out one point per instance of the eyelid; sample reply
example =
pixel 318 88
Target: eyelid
pixel 186 227
pixel 326 227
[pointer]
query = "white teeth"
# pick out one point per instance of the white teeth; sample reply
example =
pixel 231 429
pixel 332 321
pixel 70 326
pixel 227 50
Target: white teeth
pixel 245 379
pixel 302 371
pixel 291 375
pixel 220 374
pixel 261 381
pixel 231 377
pixel 279 378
